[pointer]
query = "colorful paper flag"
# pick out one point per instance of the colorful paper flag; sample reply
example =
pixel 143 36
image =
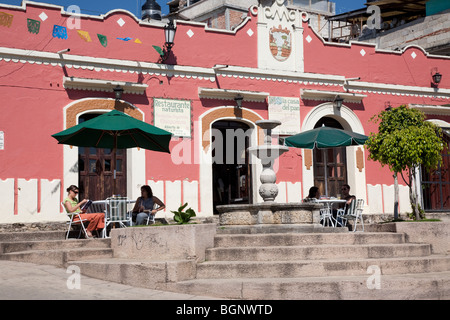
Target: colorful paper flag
pixel 84 35
pixel 103 39
pixel 33 26
pixel 6 19
pixel 60 32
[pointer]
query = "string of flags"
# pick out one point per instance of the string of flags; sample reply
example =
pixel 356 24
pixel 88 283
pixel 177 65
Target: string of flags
pixel 61 32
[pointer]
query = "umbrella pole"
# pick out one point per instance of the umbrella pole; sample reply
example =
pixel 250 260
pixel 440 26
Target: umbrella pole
pixel 113 162
pixel 325 162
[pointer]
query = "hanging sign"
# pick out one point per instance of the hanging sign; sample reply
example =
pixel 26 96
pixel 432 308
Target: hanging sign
pixel 173 116
pixel 286 110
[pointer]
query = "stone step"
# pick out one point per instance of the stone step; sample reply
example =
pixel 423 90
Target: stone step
pixel 8 247
pixel 58 257
pixel 32 236
pixel 433 286
pixel 320 268
pixel 279 228
pixel 141 273
pixel 301 239
pixel 316 252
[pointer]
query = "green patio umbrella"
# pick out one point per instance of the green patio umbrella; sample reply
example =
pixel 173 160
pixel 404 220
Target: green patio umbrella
pixel 323 138
pixel 115 130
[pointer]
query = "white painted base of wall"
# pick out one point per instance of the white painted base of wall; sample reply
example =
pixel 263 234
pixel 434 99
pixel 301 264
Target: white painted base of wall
pixel 39 200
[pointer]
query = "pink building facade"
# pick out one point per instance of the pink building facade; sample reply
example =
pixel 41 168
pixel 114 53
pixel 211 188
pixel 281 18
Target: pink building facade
pixel 274 60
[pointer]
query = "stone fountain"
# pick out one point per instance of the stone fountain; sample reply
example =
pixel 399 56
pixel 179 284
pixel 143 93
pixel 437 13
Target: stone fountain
pixel 305 216
pixel 268 153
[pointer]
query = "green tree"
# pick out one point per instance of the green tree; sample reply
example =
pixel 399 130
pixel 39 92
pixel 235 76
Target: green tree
pixel 404 142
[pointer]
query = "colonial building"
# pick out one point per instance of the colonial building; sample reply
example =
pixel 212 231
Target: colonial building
pixel 58 69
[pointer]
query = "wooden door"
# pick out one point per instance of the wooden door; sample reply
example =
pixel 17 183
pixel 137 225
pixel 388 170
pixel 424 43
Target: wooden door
pixel 95 170
pixel 436 183
pixel 330 165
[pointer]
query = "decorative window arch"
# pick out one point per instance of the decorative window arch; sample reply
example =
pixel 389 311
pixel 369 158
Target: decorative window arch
pixel 73 110
pixel 227 113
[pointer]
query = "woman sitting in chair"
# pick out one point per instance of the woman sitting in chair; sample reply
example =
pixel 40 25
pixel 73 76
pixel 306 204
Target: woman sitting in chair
pixel 96 220
pixel 313 195
pixel 144 205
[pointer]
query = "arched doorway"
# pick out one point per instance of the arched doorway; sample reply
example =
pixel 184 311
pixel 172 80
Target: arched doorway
pixel 95 169
pixel 356 174
pixel 134 157
pixel 231 167
pixel 330 165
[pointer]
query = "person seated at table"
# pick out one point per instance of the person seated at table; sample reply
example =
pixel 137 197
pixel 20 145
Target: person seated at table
pixel 313 195
pixel 345 189
pixel 71 204
pixel 144 205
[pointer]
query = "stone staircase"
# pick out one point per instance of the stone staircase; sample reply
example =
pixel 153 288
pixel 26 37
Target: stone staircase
pixel 320 266
pixel 268 264
pixel 51 248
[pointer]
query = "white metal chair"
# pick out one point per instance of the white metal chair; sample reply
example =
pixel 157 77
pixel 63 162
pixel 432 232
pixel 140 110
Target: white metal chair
pixel 76 222
pixel 116 211
pixel 151 217
pixel 326 216
pixel 354 212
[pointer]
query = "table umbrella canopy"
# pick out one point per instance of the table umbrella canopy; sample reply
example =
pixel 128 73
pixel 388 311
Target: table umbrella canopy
pixel 116 130
pixel 325 137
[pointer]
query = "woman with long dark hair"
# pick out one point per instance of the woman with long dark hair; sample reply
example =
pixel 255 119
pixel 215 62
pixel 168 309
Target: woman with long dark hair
pixel 145 205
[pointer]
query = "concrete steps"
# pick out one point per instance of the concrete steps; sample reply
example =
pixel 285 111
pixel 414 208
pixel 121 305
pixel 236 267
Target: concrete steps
pixel 423 286
pixel 318 268
pixel 263 265
pixel 258 265
pixel 317 252
pixel 51 248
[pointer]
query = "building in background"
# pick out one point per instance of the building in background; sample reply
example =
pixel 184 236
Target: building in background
pixel 423 23
pixel 273 61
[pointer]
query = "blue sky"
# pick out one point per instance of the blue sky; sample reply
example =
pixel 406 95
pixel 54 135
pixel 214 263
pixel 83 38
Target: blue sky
pixel 97 7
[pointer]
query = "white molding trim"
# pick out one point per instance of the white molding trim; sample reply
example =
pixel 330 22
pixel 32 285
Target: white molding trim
pixel 397 89
pixel 330 95
pixel 201 73
pixel 430 109
pixel 226 94
pixel 103 85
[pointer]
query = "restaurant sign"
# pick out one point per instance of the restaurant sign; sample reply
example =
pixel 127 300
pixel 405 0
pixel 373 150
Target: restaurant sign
pixel 173 116
pixel 286 110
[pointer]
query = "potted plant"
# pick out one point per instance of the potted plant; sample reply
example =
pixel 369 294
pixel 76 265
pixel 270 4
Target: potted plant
pixel 183 217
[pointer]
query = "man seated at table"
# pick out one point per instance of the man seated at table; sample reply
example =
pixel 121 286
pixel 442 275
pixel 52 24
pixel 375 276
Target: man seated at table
pixel 345 195
pixel 345 189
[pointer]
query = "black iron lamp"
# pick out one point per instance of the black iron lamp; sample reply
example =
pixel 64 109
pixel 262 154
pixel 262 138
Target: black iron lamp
pixel 338 102
pixel 239 98
pixel 387 106
pixel 118 90
pixel 169 33
pixel 437 77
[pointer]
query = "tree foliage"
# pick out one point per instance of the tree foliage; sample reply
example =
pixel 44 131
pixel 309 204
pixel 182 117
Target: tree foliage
pixel 404 142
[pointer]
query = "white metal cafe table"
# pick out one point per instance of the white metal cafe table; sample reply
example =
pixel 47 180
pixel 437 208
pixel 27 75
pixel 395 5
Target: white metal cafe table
pixel 327 211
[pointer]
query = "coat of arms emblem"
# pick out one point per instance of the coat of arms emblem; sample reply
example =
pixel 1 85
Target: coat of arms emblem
pixel 280 43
